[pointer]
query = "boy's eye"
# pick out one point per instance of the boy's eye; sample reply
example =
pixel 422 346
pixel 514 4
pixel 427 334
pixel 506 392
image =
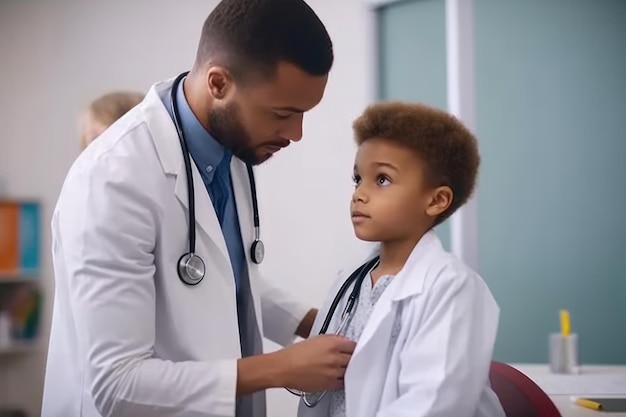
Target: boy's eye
pixel 356 179
pixel 383 180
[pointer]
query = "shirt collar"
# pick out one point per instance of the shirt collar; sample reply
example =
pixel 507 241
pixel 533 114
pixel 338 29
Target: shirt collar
pixel 207 152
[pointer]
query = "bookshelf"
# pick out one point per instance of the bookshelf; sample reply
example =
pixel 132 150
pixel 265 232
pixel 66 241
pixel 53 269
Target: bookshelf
pixel 20 267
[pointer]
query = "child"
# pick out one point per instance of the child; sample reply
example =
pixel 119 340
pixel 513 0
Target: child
pixel 105 110
pixel 425 323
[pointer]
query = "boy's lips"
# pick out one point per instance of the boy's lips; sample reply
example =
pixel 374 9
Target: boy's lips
pixel 359 216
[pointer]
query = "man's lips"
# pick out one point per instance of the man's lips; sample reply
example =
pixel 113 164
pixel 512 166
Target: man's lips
pixel 277 146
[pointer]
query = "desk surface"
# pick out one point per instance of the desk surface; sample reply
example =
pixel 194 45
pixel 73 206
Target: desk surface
pixel 563 402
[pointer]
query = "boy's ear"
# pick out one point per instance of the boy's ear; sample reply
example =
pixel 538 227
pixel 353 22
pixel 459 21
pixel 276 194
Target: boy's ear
pixel 440 200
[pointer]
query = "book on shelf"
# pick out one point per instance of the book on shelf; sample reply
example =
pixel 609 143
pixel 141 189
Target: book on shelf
pixel 20 237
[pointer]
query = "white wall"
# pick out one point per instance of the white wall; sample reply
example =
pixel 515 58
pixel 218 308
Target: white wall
pixel 56 56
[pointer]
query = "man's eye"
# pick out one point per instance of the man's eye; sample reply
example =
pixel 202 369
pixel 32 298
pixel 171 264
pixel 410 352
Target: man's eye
pixel 282 116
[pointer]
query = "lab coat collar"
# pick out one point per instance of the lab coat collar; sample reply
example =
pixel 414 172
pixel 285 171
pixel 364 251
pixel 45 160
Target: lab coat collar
pixel 409 281
pixel 206 152
pixel 162 128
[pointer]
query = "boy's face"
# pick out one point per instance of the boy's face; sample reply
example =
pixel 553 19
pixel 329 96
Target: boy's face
pixel 392 199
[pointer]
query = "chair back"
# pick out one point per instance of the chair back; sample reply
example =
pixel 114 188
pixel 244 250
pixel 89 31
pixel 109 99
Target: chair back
pixel 518 394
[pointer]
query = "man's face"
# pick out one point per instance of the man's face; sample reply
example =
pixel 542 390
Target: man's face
pixel 257 120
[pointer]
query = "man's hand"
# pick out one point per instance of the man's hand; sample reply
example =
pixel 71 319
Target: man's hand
pixel 304 328
pixel 315 364
pixel 312 365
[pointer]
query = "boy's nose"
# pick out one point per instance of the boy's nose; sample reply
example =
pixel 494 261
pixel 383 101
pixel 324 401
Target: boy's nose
pixel 359 196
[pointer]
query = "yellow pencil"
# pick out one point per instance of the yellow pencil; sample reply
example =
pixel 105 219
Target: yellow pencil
pixel 565 323
pixel 588 404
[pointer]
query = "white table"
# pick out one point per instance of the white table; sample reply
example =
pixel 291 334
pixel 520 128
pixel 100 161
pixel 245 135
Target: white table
pixel 563 402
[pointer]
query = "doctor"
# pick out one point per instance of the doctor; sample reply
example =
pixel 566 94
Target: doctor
pixel 160 314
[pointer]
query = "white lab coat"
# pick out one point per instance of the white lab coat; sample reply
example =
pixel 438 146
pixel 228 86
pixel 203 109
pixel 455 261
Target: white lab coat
pixel 128 338
pixel 439 365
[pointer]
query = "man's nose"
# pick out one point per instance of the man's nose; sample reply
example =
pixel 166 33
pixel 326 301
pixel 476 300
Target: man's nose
pixel 293 130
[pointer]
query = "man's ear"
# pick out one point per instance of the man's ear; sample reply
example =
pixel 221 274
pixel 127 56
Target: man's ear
pixel 440 201
pixel 219 82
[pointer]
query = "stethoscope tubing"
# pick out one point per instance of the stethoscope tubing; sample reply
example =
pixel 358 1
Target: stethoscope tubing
pixel 357 277
pixel 186 272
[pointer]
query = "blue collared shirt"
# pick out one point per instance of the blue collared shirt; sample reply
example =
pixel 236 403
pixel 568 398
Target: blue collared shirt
pixel 213 162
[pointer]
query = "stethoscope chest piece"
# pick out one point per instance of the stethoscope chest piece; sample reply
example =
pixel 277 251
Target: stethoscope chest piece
pixel 191 269
pixel 257 251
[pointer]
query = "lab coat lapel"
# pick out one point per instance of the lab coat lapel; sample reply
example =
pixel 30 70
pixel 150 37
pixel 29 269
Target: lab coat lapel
pixel 170 154
pixel 376 334
pixel 243 200
pixel 408 282
pixel 364 376
pixel 206 218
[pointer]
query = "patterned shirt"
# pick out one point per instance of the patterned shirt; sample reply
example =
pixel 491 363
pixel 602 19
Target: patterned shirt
pixel 365 305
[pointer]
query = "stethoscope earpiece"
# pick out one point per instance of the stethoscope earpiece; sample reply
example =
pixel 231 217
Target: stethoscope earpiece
pixel 191 267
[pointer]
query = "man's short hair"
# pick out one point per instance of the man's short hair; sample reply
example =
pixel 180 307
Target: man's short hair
pixel 253 36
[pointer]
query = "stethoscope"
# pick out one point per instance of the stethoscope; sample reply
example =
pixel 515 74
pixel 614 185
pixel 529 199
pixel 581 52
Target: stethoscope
pixel 311 399
pixel 191 267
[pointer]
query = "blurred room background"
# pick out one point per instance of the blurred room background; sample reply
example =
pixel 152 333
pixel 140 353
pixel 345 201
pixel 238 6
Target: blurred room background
pixel 542 83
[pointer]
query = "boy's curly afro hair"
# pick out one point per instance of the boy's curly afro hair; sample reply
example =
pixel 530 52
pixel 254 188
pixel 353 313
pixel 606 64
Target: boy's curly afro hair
pixel 447 147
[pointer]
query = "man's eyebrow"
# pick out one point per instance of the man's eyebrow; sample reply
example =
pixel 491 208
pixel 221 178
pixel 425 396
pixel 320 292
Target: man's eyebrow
pixel 289 108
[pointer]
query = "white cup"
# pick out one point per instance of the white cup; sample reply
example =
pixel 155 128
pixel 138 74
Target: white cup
pixel 564 353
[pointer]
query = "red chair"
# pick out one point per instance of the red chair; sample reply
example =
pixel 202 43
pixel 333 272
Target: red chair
pixel 518 394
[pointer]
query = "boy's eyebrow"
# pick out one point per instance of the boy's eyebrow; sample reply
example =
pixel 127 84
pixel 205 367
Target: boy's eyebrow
pixel 385 164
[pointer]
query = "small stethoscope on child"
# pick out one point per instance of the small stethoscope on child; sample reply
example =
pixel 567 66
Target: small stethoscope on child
pixel 191 267
pixel 311 399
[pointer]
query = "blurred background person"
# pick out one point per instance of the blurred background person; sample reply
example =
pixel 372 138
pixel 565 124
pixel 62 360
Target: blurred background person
pixel 103 111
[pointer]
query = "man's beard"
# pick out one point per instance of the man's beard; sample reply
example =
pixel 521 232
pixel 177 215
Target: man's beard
pixel 227 130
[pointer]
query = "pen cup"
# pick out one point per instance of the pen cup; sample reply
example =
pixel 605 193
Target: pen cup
pixel 564 353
